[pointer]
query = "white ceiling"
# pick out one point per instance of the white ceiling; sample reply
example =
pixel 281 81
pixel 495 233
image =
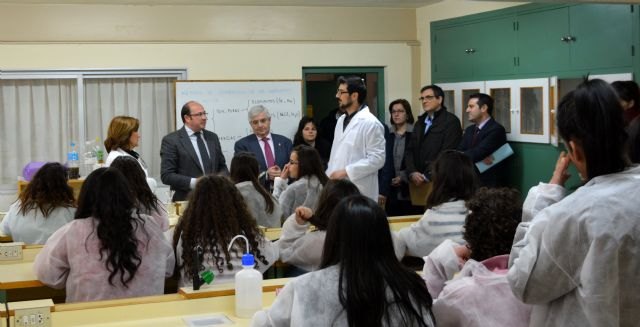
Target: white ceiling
pixel 313 3
pixel 310 3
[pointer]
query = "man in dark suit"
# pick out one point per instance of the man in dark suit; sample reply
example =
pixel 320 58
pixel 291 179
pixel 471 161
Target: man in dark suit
pixel 190 152
pixel 271 150
pixel 484 137
pixel 436 130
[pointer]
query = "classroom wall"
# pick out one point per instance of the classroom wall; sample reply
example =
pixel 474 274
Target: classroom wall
pixel 212 42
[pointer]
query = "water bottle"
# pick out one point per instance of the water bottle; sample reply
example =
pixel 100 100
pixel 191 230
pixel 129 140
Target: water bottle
pixel 248 285
pixel 73 162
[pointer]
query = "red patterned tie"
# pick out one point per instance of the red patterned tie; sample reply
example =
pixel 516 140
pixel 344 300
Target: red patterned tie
pixel 268 154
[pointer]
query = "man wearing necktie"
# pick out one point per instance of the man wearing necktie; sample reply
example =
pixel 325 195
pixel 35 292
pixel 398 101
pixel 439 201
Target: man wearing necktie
pixel 434 131
pixel 190 152
pixel 484 137
pixel 271 150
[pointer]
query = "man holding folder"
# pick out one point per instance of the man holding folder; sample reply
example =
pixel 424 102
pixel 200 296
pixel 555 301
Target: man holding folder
pixel 484 137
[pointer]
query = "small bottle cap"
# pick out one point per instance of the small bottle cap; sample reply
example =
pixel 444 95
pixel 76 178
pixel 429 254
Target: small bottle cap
pixel 207 276
pixel 247 260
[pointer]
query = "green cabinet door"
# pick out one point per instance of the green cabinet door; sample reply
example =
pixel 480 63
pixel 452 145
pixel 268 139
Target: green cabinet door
pixel 451 59
pixel 494 47
pixel 540 48
pixel 603 36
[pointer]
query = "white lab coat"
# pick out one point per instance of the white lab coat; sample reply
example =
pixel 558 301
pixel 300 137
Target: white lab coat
pixel 119 152
pixel 360 149
pixel 579 259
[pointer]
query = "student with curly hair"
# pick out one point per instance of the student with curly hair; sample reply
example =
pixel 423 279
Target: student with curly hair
pixel 301 247
pixel 262 205
pixel 44 206
pixel 146 202
pixel 215 214
pixel 479 294
pixel 454 182
pixel 108 251
pixel 360 281
pixel 305 167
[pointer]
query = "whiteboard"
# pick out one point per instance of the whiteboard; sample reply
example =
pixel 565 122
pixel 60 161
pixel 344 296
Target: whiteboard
pixel 227 104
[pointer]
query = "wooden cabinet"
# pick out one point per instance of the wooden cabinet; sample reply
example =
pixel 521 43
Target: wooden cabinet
pixel 580 37
pixel 474 49
pixel 521 106
pixel 533 41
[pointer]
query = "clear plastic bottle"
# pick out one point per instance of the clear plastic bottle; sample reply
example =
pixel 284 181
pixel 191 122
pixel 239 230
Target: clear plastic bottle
pixel 73 162
pixel 248 288
pixel 248 282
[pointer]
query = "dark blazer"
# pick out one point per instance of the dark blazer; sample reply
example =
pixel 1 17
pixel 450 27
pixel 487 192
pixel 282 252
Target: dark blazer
pixel 387 172
pixel 281 144
pixel 180 162
pixel 422 149
pixel 489 139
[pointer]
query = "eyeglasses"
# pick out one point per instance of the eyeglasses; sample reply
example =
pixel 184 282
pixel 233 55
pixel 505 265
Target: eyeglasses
pixel 200 114
pixel 291 162
pixel 341 92
pixel 427 98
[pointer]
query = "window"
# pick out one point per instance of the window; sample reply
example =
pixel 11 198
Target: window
pixel 43 112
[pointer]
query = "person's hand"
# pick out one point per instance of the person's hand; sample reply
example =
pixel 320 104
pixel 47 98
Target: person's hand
pixel 273 172
pixel 303 214
pixel 560 174
pixel 488 160
pixel 284 174
pixel 396 181
pixel 417 179
pixel 463 253
pixel 339 174
pixel 382 200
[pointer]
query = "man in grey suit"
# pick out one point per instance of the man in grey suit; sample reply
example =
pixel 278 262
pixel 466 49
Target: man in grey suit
pixel 190 152
pixel 271 150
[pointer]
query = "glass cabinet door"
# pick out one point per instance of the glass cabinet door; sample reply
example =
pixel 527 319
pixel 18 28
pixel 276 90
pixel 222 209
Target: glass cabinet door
pixel 522 107
pixel 457 97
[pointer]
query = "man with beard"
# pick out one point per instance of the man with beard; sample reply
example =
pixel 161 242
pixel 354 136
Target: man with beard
pixel 358 150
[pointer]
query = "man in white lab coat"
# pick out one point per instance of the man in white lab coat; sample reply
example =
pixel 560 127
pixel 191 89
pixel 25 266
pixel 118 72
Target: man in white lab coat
pixel 358 146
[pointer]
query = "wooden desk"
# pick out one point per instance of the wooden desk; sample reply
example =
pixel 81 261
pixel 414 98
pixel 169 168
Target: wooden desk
pixel 29 253
pixel 76 185
pixel 18 275
pixel 157 313
pixel 268 285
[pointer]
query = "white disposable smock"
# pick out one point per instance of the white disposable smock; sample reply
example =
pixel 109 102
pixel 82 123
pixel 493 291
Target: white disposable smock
pixel 580 257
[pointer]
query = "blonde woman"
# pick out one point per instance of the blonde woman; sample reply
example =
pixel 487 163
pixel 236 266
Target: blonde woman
pixel 122 138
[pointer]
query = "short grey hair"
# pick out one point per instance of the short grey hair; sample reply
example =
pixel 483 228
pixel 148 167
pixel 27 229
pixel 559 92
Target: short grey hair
pixel 256 110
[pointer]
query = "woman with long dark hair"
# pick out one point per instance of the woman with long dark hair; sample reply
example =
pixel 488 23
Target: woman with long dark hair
pixel 215 214
pixel 44 206
pixel 360 281
pixel 146 202
pixel 454 182
pixel 303 248
pixel 305 167
pixel 576 259
pixel 307 134
pixel 262 205
pixel 108 251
